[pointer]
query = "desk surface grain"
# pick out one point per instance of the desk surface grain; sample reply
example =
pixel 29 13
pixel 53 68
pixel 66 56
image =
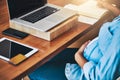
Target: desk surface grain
pixel 46 51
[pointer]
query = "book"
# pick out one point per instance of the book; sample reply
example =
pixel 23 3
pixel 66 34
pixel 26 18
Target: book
pixel 89 9
pixel 89 12
pixel 87 20
pixel 15 52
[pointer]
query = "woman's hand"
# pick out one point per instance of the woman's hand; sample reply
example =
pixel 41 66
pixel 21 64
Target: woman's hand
pixel 79 55
pixel 100 3
pixel 110 6
pixel 81 49
pixel 103 4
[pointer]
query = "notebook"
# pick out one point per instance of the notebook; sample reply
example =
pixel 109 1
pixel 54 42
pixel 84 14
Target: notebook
pixel 37 14
pixel 15 52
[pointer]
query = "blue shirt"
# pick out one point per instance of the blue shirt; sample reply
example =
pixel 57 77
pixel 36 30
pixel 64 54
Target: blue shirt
pixel 103 55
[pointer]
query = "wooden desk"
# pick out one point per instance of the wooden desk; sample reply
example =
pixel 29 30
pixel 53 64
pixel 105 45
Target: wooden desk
pixel 47 49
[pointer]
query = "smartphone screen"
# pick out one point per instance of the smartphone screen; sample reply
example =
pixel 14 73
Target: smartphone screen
pixel 15 33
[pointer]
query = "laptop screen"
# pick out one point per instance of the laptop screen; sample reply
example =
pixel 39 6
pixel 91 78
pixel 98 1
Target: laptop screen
pixel 20 7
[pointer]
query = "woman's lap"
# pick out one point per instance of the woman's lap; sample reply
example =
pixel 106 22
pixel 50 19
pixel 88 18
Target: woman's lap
pixel 55 68
pixel 66 56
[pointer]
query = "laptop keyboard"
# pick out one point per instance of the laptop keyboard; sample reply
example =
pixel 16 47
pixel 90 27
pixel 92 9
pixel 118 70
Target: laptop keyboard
pixel 40 14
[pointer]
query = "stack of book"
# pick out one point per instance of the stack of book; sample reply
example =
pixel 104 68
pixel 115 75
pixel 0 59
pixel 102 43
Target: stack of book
pixel 89 11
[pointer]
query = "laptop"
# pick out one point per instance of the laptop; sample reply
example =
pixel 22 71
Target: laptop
pixel 37 14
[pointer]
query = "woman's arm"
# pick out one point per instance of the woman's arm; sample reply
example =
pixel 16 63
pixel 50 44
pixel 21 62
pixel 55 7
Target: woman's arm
pixel 79 55
pixel 110 7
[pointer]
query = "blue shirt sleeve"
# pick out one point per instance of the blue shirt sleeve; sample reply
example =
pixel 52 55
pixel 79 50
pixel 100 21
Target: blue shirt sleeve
pixel 108 68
